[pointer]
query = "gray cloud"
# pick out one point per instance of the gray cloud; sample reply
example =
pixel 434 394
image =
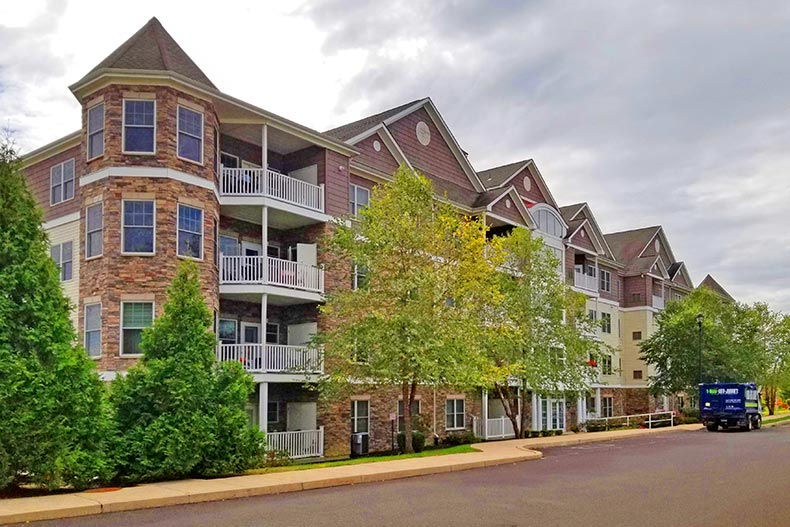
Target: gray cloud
pixel 675 113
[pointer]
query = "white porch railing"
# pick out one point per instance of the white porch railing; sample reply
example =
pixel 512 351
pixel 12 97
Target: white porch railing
pixel 272 271
pixel 260 182
pixel 273 358
pixel 585 281
pixel 655 418
pixel 496 428
pixel 299 444
pixel 658 301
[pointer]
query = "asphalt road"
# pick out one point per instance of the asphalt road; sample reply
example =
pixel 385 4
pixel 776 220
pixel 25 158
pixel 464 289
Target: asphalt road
pixel 673 479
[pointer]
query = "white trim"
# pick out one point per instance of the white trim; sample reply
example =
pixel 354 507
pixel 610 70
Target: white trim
pixel 640 308
pixel 463 414
pixel 178 231
pixel 243 325
pixel 391 144
pixel 582 249
pixel 606 301
pixel 355 417
pixel 85 327
pixel 505 220
pixel 88 131
pixel 590 217
pixel 154 172
pixel 123 228
pixel 120 324
pixel 178 134
pixel 62 220
pixel 523 210
pixel 554 212
pixel 355 212
pixel 123 129
pixel 510 177
pixel 398 415
pixel 220 319
pixel 238 159
pixel 101 230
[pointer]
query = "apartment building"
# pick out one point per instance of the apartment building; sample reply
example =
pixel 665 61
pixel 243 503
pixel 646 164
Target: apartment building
pixel 167 167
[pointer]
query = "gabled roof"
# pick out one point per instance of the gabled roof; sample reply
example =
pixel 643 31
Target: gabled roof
pixel 350 130
pixel 569 212
pixel 714 286
pixel 577 214
pixel 151 49
pixel 496 177
pixel 628 245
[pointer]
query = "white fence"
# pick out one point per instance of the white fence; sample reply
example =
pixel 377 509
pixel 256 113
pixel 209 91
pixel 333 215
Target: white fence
pixel 585 281
pixel 273 358
pixel 273 271
pixel 260 182
pixel 658 301
pixel 648 420
pixel 303 443
pixel 496 428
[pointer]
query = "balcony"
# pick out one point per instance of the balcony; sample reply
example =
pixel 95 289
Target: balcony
pixel 267 270
pixel 658 302
pixel 273 358
pixel 585 281
pixel 253 182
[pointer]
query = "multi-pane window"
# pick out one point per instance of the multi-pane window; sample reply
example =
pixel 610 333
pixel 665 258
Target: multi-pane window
pixel 415 412
pixel 360 417
pixel 606 281
pixel 637 374
pixel 138 227
pixel 94 223
pixel 93 329
pixel 592 315
pixel 607 406
pixel 606 365
pixel 228 331
pixel 359 276
pixel 606 322
pixel 228 160
pixel 273 412
pixel 61 182
pixel 228 246
pixel 135 317
pixel 272 333
pixel 62 254
pixel 358 199
pixel 139 126
pixel 636 335
pixel 190 134
pixel 454 411
pixel 190 232
pixel 96 131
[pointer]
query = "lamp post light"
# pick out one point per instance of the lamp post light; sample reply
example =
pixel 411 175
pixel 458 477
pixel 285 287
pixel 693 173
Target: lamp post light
pixel 700 319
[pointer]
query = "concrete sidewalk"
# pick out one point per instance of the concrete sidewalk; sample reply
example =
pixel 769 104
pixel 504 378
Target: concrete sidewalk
pixel 194 491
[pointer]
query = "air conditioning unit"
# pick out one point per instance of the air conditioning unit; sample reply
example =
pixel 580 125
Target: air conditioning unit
pixel 360 444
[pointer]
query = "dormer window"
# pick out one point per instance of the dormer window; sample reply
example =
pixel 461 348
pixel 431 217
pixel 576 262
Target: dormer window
pixel 139 126
pixel 190 135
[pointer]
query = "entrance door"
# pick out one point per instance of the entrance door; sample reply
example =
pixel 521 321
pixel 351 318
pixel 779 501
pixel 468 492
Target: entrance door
pixel 552 413
pixel 253 267
pixel 250 333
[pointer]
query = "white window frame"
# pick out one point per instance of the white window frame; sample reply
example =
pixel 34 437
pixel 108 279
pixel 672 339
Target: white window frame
pixel 455 413
pixel 123 129
pixel 85 329
pixel 59 260
pixel 266 333
pixel 153 317
pixel 353 187
pixel 178 134
pixel 123 228
pixel 606 317
pixel 62 182
pixel 355 416
pixel 178 232
pixel 276 419
pixel 235 324
pixel 604 369
pixel 94 132
pixel 606 279
pixel 399 414
pixel 237 158
pixel 89 232
pixel 355 277
pixel 607 410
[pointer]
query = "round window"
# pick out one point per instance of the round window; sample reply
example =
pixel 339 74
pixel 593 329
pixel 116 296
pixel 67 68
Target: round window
pixel 527 183
pixel 423 133
pixel 376 146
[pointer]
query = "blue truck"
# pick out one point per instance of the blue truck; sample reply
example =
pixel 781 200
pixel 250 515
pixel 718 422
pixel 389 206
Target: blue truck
pixel 730 405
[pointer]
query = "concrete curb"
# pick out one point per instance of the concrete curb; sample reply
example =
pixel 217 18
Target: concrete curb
pixel 21 510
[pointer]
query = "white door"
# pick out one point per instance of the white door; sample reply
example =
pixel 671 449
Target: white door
pixel 251 248
pixel 300 416
pixel 307 253
pixel 300 334
pixel 250 333
pixel 252 268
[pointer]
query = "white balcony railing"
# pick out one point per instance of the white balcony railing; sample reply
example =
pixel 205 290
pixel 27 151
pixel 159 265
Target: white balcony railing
pixel 585 281
pixel 271 271
pixel 495 428
pixel 273 358
pixel 299 444
pixel 658 301
pixel 260 182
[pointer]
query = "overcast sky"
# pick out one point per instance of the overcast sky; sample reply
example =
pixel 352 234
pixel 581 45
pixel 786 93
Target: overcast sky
pixel 671 113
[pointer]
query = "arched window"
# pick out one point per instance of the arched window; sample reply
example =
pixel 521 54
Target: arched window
pixel 548 221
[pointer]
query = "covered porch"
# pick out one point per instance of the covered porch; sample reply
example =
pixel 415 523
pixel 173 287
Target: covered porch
pixel 288 414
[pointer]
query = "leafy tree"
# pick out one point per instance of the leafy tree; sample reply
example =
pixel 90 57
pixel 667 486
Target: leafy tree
pixel 774 345
pixel 536 335
pixel 54 419
pixel 180 412
pixel 407 326
pixel 731 347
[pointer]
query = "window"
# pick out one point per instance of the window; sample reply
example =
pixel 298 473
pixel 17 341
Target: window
pixel 93 329
pixel 359 276
pixel 190 134
pixel 359 198
pixel 272 333
pixel 606 322
pixel 228 160
pixel 135 317
pixel 606 365
pixel 360 417
pixel 454 412
pixel 138 227
pixel 273 412
pixel 637 374
pixel 636 335
pixel 63 259
pixel 228 331
pixel 228 245
pixel 607 406
pixel 96 131
pixel 190 232
pixel 636 297
pixel 681 401
pixel 139 126
pixel 94 223
pixel 415 412
pixel 606 281
pixel 61 182
pixel 592 315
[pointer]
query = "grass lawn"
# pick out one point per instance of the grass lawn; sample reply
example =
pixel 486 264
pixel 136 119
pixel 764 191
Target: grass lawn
pixel 459 449
pixel 778 419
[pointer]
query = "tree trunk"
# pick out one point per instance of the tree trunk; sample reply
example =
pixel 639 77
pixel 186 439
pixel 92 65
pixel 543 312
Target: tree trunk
pixel 511 410
pixel 409 391
pixel 770 399
pixel 524 395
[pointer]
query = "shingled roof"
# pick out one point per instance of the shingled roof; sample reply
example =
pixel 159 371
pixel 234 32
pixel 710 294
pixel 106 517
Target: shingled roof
pixel 496 176
pixel 353 129
pixel 626 245
pixel 151 49
pixel 714 286
pixel 569 211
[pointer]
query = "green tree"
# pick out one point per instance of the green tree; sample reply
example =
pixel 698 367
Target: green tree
pixel 180 412
pixel 774 345
pixel 731 350
pixel 54 419
pixel 407 325
pixel 537 335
